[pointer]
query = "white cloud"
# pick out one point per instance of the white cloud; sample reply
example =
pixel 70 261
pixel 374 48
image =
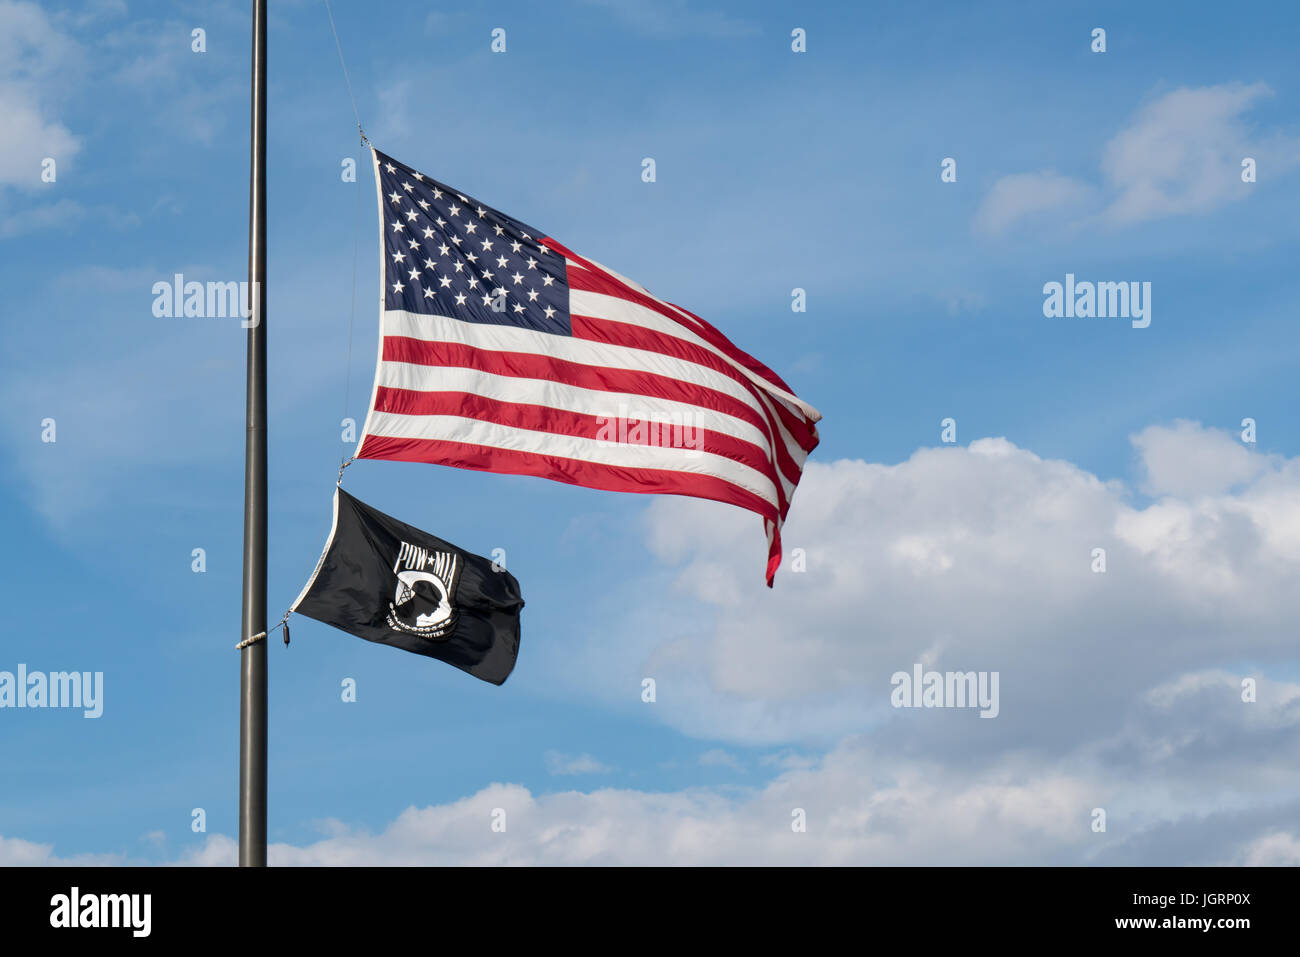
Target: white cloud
pixel 1277 849
pixel 866 804
pixel 718 758
pixel 1019 196
pixel 1180 154
pixel 1187 461
pixel 1117 690
pixel 15 852
pixel 557 763
pixel 32 53
pixel 976 558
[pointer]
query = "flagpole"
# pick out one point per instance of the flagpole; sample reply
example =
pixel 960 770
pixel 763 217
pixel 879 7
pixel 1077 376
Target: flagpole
pixel 252 664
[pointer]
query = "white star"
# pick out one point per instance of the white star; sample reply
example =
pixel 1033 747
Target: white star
pixel 453 211
pixel 424 205
pixel 471 257
pixel 390 167
pixel 499 291
pixel 429 263
pixel 408 187
pixel 526 236
pixel 470 227
pixel 518 307
pixel 446 281
pixel 501 262
pixel 459 265
pixel 532 295
pixel 461 198
pixel 486 244
pixel 487 300
pixel 549 312
pixel 532 263
pixel 413 244
pixel 396 197
pixel 398 257
pixel 457 240
pixel 397 286
pixel 441 222
pixel 419 176
pixel 542 250
pixel 437 193
pixel 500 231
pixel 414 274
pixel 518 278
pixel 547 280
pixel 411 215
pixel 445 249
pixel 398 227
pixel 487 273
pixel 481 211
pixel 460 299
pixel 473 282
pixel 428 294
pixel 516 246
pixel 428 232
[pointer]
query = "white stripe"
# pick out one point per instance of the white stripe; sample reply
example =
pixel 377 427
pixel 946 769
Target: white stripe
pixel 775 389
pixel 599 305
pixel 559 395
pixel 329 543
pixel 454 428
pixel 495 338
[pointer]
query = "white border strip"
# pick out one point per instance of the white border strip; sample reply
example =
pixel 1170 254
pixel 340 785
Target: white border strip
pixel 329 543
pixel 383 285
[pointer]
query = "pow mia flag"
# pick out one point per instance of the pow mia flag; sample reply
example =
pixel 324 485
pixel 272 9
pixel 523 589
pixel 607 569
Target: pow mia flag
pixel 386 581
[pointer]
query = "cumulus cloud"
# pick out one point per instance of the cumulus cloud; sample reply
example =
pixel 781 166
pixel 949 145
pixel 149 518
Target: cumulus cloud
pixel 979 558
pixel 1187 461
pixel 1020 196
pixel 863 803
pixel 557 763
pixel 1276 849
pixel 718 758
pixel 1121 690
pixel 33 51
pixel 1180 154
pixel 15 852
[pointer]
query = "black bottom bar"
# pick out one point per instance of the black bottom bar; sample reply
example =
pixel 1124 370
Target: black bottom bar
pixel 914 908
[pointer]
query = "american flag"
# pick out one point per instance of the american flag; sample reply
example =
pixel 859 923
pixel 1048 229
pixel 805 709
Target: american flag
pixel 504 351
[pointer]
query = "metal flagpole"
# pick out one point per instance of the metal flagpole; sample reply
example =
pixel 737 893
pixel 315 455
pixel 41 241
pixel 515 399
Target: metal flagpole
pixel 252 663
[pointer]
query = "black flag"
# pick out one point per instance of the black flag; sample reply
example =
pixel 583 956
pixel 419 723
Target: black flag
pixel 385 581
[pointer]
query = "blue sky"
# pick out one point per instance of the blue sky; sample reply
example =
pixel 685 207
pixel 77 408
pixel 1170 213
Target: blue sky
pixel 775 170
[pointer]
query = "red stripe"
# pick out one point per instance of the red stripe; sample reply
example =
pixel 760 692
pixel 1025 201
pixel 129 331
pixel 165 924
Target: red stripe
pixel 714 337
pixel 486 458
pixel 527 365
pixel 628 335
pixel 595 279
pixel 803 431
pixel 773 551
pixel 541 418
